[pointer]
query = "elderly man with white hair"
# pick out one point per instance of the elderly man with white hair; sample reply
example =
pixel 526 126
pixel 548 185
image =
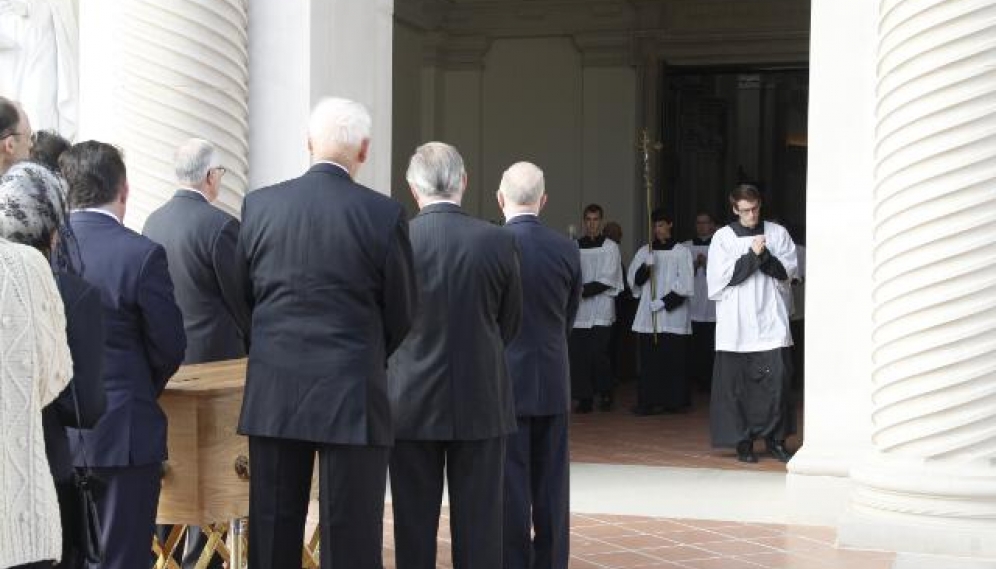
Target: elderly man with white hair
pixel 200 242
pixel 537 462
pixel 330 281
pixel 449 383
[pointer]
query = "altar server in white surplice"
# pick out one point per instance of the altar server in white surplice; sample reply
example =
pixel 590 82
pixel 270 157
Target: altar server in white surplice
pixel 662 278
pixel 601 273
pixel 751 263
pixel 703 308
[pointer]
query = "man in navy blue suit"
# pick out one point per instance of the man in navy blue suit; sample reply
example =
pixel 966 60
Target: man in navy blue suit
pixel 536 531
pixel 144 345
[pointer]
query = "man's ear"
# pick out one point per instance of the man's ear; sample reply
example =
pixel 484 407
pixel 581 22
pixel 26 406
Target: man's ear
pixel 542 202
pixel 361 156
pixel 501 200
pixel 418 200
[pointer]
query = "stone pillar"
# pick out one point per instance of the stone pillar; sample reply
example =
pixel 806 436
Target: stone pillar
pixel 303 51
pixel 155 73
pixel 930 484
pixel 839 265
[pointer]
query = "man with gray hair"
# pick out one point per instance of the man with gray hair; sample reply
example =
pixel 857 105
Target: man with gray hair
pixel 331 285
pixel 200 242
pixel 450 388
pixel 537 462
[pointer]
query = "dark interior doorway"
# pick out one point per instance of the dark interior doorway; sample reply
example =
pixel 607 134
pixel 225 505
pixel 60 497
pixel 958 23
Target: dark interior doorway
pixel 724 126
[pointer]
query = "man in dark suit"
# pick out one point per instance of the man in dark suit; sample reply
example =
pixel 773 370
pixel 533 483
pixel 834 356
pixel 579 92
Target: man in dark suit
pixel 329 274
pixel 143 348
pixel 537 462
pixel 450 389
pixel 200 242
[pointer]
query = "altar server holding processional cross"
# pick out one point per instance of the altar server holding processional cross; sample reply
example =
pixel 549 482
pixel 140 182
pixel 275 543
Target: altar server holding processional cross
pixel 662 278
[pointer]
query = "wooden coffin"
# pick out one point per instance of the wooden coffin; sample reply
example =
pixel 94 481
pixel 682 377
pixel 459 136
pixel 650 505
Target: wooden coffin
pixel 206 477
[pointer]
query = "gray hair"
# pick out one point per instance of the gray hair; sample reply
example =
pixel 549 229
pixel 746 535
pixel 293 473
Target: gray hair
pixel 337 122
pixel 436 171
pixel 523 184
pixel 193 160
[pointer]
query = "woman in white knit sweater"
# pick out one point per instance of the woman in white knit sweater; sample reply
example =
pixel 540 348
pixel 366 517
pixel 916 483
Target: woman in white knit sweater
pixel 35 366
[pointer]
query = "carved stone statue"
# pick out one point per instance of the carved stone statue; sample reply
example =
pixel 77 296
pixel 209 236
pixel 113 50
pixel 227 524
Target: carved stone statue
pixel 39 52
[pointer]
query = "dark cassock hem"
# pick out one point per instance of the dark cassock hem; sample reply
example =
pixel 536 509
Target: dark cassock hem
pixel 663 379
pixel 751 397
pixel 591 372
pixel 703 353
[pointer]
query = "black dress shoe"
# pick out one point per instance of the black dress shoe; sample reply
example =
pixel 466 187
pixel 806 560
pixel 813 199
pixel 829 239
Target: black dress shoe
pixel 745 452
pixel 584 407
pixel 778 451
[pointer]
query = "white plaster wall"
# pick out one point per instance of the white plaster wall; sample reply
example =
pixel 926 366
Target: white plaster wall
pixel 533 111
pixel 351 57
pixel 460 104
pixel 609 175
pixel 531 99
pixel 839 232
pixel 301 52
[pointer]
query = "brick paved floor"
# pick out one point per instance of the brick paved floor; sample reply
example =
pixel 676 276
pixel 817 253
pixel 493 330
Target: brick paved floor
pixel 624 542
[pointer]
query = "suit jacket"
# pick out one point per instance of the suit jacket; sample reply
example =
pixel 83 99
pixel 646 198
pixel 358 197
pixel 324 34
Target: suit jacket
pixel 144 341
pixel 448 378
pixel 537 357
pixel 328 271
pixel 200 242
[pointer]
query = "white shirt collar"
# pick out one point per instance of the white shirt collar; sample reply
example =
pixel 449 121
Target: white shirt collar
pixel 451 202
pixel 186 189
pixel 336 164
pixel 100 211
pixel 520 214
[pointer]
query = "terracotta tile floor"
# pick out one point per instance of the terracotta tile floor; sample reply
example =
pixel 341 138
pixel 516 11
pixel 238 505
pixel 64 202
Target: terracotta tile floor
pixel 601 541
pixel 624 542
pixel 619 437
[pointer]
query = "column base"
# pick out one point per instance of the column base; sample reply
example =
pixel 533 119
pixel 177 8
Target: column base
pixel 862 528
pixel 921 506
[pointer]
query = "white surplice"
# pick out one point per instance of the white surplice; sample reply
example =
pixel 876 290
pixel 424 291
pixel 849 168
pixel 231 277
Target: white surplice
pixel 702 308
pixel 752 316
pixel 673 272
pixel 600 264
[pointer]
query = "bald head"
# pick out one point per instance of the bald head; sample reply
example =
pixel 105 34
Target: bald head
pixel 522 189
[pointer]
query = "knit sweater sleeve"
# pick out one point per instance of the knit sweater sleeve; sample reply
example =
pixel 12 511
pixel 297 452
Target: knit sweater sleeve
pixel 52 356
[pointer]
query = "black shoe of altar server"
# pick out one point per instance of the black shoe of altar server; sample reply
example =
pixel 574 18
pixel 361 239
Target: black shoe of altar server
pixel 584 406
pixel 777 449
pixel 745 452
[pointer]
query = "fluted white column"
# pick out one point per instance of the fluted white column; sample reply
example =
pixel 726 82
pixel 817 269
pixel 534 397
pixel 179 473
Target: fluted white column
pixel 930 485
pixel 155 73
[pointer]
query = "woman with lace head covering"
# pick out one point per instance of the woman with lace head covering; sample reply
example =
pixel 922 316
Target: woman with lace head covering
pixel 34 212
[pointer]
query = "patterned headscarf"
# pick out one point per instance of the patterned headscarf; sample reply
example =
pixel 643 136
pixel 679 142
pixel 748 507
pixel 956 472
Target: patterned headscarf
pixel 33 207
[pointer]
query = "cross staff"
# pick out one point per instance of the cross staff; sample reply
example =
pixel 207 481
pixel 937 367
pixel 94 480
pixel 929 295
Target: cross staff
pixel 645 147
